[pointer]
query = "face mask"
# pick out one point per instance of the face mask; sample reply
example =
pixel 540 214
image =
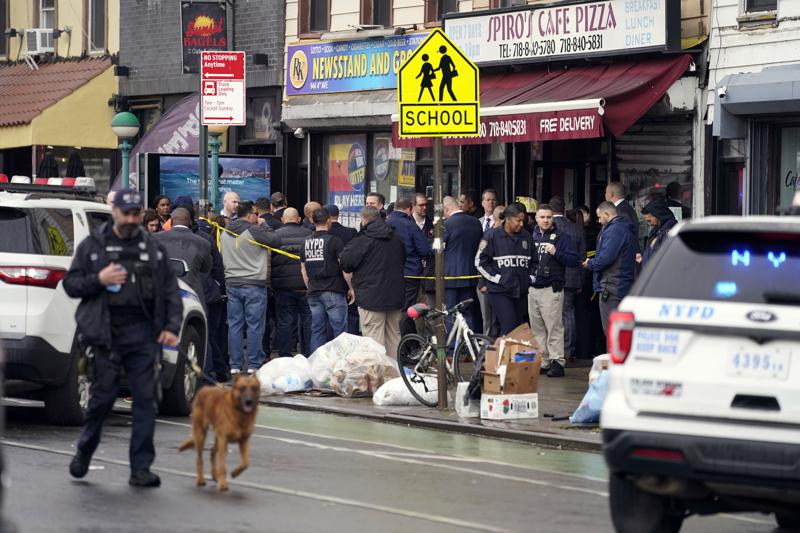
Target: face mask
pixel 127 231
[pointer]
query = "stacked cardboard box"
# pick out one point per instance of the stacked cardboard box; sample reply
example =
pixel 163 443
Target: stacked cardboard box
pixel 515 396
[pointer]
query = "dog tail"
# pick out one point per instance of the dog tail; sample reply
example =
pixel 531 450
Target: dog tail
pixel 186 445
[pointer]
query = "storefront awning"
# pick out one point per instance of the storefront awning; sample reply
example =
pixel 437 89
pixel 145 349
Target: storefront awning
pixel 63 103
pixel 774 90
pixel 340 110
pixel 571 103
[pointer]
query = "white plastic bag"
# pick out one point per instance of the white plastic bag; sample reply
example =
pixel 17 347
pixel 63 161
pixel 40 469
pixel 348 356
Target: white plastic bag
pixel 395 392
pixel 284 374
pixel 588 412
pixel 599 364
pixel 465 406
pixel 325 357
pixel 360 374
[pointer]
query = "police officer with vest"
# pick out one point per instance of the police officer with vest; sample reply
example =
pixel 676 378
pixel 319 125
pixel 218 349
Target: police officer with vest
pixel 553 251
pixel 503 259
pixel 130 305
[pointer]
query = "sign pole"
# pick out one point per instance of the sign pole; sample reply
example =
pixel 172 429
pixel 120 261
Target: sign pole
pixel 438 245
pixel 204 172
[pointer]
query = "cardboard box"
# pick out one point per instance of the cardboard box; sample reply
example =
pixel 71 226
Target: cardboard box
pixel 505 348
pixel 522 378
pixel 509 406
pixel 491 383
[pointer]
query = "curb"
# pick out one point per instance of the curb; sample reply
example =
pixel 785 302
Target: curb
pixel 552 440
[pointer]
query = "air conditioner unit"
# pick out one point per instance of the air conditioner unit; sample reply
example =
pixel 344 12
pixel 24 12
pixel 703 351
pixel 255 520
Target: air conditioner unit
pixel 39 41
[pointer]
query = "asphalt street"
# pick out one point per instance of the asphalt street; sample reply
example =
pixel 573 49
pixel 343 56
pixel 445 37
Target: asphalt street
pixel 315 472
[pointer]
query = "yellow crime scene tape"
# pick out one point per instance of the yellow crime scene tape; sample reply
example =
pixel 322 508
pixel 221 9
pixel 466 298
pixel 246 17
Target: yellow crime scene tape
pixel 293 256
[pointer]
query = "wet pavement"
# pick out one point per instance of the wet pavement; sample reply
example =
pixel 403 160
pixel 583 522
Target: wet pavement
pixel 316 472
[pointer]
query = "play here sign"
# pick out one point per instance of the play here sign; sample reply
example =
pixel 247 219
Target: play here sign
pixel 437 89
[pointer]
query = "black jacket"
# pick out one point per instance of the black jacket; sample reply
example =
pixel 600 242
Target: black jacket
pixel 181 243
pixel 625 210
pixel 417 247
pixel 343 232
pixel 504 260
pixel 214 281
pixel 286 273
pixel 573 275
pixel 462 235
pixel 93 316
pixel 376 257
pixel 548 270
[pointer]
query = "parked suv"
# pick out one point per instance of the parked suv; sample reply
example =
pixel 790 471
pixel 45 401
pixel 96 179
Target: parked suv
pixel 703 407
pixel 40 228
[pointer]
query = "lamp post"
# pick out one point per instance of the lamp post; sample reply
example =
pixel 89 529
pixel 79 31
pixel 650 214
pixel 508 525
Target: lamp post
pixel 125 126
pixel 214 131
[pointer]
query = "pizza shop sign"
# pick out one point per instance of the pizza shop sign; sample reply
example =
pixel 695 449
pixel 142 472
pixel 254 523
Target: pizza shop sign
pixel 597 28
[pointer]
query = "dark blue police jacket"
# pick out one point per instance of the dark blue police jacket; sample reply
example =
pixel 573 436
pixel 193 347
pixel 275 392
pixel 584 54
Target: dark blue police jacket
pixel 462 235
pixel 417 247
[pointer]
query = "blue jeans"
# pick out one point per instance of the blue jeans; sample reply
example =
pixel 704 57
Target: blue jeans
pixel 327 308
pixel 291 308
pixel 246 305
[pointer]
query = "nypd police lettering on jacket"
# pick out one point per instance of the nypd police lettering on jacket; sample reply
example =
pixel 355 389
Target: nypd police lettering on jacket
pixel 504 260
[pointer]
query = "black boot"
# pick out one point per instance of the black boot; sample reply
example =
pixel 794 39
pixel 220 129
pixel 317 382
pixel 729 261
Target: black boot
pixel 556 370
pixel 144 478
pixel 79 464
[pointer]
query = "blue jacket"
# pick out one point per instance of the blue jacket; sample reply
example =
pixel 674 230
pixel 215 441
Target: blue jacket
pixel 462 235
pixel 614 265
pixel 504 261
pixel 656 239
pixel 414 241
pixel 547 269
pixel 573 274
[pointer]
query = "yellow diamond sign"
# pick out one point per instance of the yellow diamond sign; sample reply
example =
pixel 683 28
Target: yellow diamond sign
pixel 437 88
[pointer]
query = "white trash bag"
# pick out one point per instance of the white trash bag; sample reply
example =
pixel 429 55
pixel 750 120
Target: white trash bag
pixel 599 363
pixel 360 374
pixel 395 392
pixel 285 374
pixel 325 357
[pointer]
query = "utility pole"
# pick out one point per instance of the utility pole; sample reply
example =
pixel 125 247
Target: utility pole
pixel 203 154
pixel 438 247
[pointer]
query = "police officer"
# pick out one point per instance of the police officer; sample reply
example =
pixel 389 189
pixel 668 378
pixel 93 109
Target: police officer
pixel 130 305
pixel 553 251
pixel 503 258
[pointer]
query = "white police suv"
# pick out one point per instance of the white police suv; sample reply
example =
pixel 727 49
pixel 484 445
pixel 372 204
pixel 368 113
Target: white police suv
pixel 703 408
pixel 40 228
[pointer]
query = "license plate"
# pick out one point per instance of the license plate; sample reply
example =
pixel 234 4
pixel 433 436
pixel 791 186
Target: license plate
pixel 760 364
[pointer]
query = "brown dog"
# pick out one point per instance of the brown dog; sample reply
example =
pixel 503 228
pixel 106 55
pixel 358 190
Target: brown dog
pixel 232 413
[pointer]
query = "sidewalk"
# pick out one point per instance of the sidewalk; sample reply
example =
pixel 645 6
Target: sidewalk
pixel 558 398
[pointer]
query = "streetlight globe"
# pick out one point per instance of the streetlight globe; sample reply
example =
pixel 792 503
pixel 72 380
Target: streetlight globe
pixel 125 125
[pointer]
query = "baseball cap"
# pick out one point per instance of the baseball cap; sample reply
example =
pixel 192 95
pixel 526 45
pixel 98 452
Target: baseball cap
pixel 333 209
pixel 128 200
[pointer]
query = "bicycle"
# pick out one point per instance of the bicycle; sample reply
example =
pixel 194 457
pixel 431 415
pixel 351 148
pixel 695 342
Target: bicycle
pixel 416 354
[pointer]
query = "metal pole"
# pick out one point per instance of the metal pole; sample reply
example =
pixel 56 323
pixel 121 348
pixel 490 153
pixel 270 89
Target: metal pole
pixel 204 171
pixel 438 246
pixel 125 148
pixel 215 143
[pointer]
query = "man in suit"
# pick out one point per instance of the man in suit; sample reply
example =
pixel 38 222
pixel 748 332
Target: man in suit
pixel 488 203
pixel 181 243
pixel 343 232
pixel 462 235
pixel 615 193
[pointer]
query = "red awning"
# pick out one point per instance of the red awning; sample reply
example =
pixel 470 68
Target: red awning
pixel 542 105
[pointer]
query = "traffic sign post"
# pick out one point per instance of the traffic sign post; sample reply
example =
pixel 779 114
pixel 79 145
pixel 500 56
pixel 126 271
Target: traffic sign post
pixel 438 94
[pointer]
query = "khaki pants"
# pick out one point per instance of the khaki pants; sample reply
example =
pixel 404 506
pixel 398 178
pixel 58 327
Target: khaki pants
pixel 544 309
pixel 383 327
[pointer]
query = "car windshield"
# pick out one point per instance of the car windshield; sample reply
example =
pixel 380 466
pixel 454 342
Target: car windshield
pixel 41 231
pixel 752 267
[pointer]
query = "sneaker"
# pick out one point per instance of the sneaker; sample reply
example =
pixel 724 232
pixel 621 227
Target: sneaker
pixel 235 371
pixel 79 464
pixel 555 371
pixel 144 478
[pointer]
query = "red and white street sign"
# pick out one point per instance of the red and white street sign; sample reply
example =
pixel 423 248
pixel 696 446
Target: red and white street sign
pixel 222 88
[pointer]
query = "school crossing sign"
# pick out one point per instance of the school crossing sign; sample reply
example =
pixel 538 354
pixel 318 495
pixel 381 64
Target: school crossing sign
pixel 437 89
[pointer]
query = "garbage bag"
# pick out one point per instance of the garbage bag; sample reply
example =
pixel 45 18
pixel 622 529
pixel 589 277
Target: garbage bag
pixel 599 364
pixel 588 412
pixel 360 374
pixel 284 374
pixel 325 357
pixel 395 392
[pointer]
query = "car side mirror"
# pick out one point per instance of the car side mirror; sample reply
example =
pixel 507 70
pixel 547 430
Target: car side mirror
pixel 179 267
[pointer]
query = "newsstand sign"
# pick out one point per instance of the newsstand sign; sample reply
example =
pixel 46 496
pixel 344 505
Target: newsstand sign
pixel 222 88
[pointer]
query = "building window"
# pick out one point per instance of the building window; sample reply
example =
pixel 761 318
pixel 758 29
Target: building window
pixel 508 3
pixel 376 12
pixel 314 16
pixel 436 9
pixel 97 25
pixel 3 26
pixel 755 6
pixel 47 13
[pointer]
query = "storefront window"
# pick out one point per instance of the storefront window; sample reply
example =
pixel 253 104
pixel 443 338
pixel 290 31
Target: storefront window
pixel 346 158
pixel 261 114
pixel 393 169
pixel 789 172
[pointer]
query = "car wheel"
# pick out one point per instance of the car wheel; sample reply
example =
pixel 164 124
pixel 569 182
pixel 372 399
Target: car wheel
pixel 634 510
pixel 788 521
pixel 65 404
pixel 178 397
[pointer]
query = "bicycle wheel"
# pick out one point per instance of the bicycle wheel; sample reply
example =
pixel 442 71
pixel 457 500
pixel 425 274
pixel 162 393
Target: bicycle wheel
pixel 416 362
pixel 464 364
